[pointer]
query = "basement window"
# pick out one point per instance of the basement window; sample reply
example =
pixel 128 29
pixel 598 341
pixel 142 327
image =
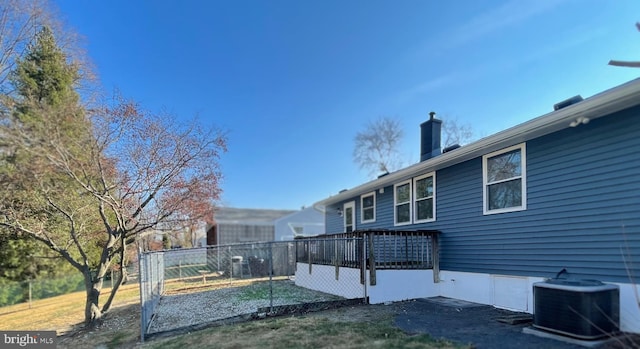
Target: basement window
pixel 505 181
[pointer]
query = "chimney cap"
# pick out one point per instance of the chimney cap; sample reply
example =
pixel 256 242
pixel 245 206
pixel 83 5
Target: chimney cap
pixel 432 115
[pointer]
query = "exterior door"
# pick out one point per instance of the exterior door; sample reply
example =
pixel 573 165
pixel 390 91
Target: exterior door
pixel 349 210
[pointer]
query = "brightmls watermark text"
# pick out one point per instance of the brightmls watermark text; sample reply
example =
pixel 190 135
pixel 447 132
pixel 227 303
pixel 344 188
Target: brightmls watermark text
pixel 28 339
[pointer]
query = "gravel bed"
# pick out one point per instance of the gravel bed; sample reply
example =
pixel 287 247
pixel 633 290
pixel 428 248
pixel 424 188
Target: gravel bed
pixel 182 310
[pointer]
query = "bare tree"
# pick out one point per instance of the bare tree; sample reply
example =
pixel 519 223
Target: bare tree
pixel 630 64
pixel 20 20
pixel 377 146
pixel 137 171
pixel 455 132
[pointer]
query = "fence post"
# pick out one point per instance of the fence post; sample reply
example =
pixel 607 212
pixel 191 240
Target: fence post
pixel 141 282
pixel 30 281
pixel 270 277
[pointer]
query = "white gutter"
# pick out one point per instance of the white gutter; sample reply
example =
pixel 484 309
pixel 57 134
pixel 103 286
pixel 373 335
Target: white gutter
pixel 319 208
pixel 610 101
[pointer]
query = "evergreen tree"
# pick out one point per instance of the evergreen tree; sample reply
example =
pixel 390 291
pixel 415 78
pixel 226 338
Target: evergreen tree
pixel 44 82
pixel 45 113
pixel 44 75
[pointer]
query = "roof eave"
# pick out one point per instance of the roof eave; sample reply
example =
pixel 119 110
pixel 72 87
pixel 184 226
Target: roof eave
pixel 604 103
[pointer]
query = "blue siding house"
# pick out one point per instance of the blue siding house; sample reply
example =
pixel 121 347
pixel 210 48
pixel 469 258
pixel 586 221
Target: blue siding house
pixel 561 191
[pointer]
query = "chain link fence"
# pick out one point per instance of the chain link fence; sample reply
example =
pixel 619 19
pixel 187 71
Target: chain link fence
pixel 14 292
pixel 42 287
pixel 151 279
pixel 187 289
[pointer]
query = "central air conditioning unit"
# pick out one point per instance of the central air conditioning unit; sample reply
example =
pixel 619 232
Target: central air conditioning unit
pixel 584 309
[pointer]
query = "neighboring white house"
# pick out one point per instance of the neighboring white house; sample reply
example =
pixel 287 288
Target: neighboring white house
pixel 242 225
pixel 306 222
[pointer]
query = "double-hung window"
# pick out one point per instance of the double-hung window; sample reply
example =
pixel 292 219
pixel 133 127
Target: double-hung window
pixel 424 198
pixel 368 207
pixel 402 203
pixel 505 180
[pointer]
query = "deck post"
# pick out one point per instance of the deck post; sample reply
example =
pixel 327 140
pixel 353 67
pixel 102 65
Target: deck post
pixel 336 258
pixel 436 258
pixel 372 262
pixel 309 254
pixel 363 260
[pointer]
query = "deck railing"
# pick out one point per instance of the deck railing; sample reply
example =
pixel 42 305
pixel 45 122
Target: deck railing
pixel 371 250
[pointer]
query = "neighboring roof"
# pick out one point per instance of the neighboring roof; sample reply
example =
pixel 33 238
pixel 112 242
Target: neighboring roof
pixel 230 215
pixel 604 103
pixel 303 211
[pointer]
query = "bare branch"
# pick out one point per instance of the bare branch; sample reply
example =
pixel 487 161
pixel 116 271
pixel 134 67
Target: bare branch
pixel 628 64
pixel 376 148
pixel 624 64
pixel 72 228
pixel 455 132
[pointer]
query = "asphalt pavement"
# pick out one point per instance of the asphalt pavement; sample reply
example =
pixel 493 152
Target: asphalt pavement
pixel 477 325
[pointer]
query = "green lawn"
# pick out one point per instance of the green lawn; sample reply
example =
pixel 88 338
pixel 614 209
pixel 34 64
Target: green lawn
pixel 353 327
pixel 309 331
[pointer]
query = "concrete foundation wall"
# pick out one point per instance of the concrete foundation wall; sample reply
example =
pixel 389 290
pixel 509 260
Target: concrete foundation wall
pixel 502 291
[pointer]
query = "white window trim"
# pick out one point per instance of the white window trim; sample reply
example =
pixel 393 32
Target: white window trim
pixel 351 204
pixel 373 193
pixel 395 204
pixel 415 197
pixel 523 176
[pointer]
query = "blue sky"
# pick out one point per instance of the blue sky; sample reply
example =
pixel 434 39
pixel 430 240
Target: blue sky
pixel 293 81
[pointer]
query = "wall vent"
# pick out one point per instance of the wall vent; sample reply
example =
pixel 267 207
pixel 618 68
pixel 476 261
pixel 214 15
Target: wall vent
pixel 450 148
pixel 567 102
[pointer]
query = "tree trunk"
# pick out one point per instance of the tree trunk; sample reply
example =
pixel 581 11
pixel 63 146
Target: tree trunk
pixel 92 313
pixel 123 271
pixel 114 289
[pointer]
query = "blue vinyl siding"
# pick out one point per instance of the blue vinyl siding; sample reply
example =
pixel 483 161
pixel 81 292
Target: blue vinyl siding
pixel 583 208
pixel 333 223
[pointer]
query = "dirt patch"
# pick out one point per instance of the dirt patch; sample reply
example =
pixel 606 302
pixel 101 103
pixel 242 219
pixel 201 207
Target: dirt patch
pixel 120 328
